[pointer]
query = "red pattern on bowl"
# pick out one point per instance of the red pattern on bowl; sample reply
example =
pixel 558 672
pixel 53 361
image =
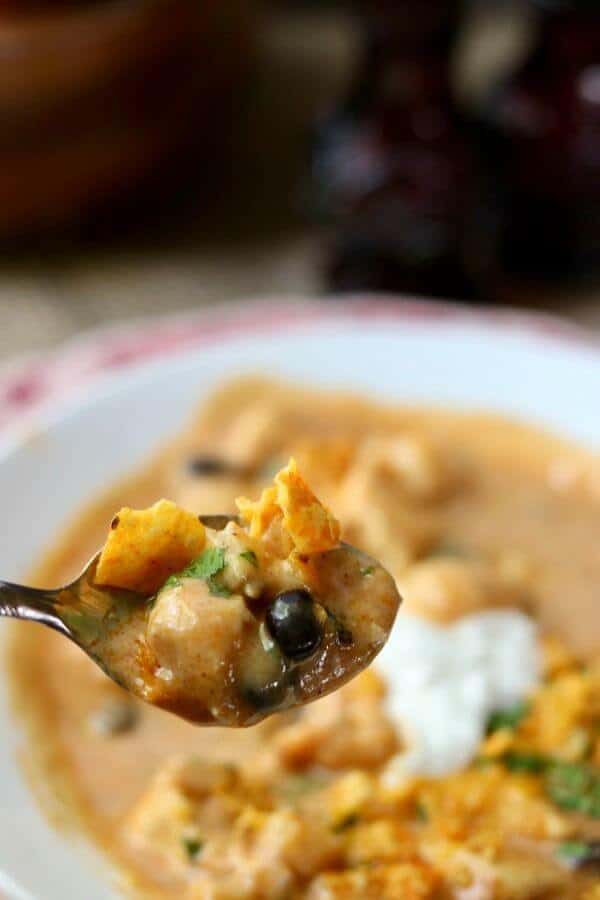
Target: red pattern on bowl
pixel 27 385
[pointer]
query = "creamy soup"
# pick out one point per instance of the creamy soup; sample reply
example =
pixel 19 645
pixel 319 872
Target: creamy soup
pixel 227 625
pixel 490 529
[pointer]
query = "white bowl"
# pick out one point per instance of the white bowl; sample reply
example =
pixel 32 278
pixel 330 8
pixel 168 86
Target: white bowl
pixel 528 367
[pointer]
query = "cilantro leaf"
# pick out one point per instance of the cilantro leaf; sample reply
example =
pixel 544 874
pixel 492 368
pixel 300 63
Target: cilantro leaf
pixel 210 562
pixel 368 570
pixel 507 718
pixel 579 854
pixel 574 787
pixel 172 581
pixel 534 763
pixel 216 589
pixel 250 556
pixel 571 786
pixel 192 847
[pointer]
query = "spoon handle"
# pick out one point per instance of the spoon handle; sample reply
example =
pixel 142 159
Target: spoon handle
pixel 32 604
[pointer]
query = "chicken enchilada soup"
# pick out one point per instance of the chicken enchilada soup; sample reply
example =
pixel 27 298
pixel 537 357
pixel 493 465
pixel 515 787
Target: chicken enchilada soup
pixel 464 763
pixel 228 620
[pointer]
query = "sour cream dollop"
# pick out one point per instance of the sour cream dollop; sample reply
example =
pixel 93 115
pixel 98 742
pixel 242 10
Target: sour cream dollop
pixel 445 681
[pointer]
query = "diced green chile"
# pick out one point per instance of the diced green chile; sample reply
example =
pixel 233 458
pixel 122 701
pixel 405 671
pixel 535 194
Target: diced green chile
pixel 293 624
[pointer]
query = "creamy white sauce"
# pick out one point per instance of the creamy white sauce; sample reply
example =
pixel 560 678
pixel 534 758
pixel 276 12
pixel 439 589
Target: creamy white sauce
pixel 445 681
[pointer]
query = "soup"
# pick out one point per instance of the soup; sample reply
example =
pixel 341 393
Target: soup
pixel 463 765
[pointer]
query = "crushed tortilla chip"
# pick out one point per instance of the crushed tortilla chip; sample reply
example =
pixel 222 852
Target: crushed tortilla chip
pixel 312 528
pixel 259 514
pixel 145 547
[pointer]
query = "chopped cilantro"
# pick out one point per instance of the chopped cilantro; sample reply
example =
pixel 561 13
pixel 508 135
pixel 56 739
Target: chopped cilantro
pixel 250 556
pixel 216 589
pixel 572 851
pixel 534 763
pixel 210 562
pixel 172 581
pixel 368 570
pixel 192 847
pixel 507 718
pixel 574 787
pixel 570 785
pixel 579 854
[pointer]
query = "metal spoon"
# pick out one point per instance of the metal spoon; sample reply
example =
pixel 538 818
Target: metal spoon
pixel 83 611
pixel 110 624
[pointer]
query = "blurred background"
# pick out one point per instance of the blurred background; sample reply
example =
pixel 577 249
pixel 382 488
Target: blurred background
pixel 162 155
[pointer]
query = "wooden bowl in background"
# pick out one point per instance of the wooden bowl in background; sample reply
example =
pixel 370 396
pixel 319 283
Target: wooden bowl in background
pixel 97 97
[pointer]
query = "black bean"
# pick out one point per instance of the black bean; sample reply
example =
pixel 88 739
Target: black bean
pixel 115 717
pixel 293 624
pixel 209 466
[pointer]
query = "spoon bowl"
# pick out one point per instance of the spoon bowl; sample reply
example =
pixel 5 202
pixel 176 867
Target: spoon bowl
pixel 110 625
pixel 83 611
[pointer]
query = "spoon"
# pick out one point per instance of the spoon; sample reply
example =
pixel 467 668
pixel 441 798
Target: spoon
pixel 82 611
pixel 111 626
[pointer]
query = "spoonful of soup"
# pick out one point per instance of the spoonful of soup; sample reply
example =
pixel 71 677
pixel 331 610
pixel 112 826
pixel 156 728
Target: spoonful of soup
pixel 224 620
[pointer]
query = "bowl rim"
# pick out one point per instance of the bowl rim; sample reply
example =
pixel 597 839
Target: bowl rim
pixel 102 364
pixel 39 390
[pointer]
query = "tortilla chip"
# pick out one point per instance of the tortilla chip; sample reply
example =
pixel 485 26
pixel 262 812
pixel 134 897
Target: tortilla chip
pixel 309 524
pixel 144 547
pixel 259 514
pixel 312 527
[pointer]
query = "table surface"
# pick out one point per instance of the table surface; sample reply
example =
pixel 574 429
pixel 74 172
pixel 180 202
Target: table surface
pixel 255 246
